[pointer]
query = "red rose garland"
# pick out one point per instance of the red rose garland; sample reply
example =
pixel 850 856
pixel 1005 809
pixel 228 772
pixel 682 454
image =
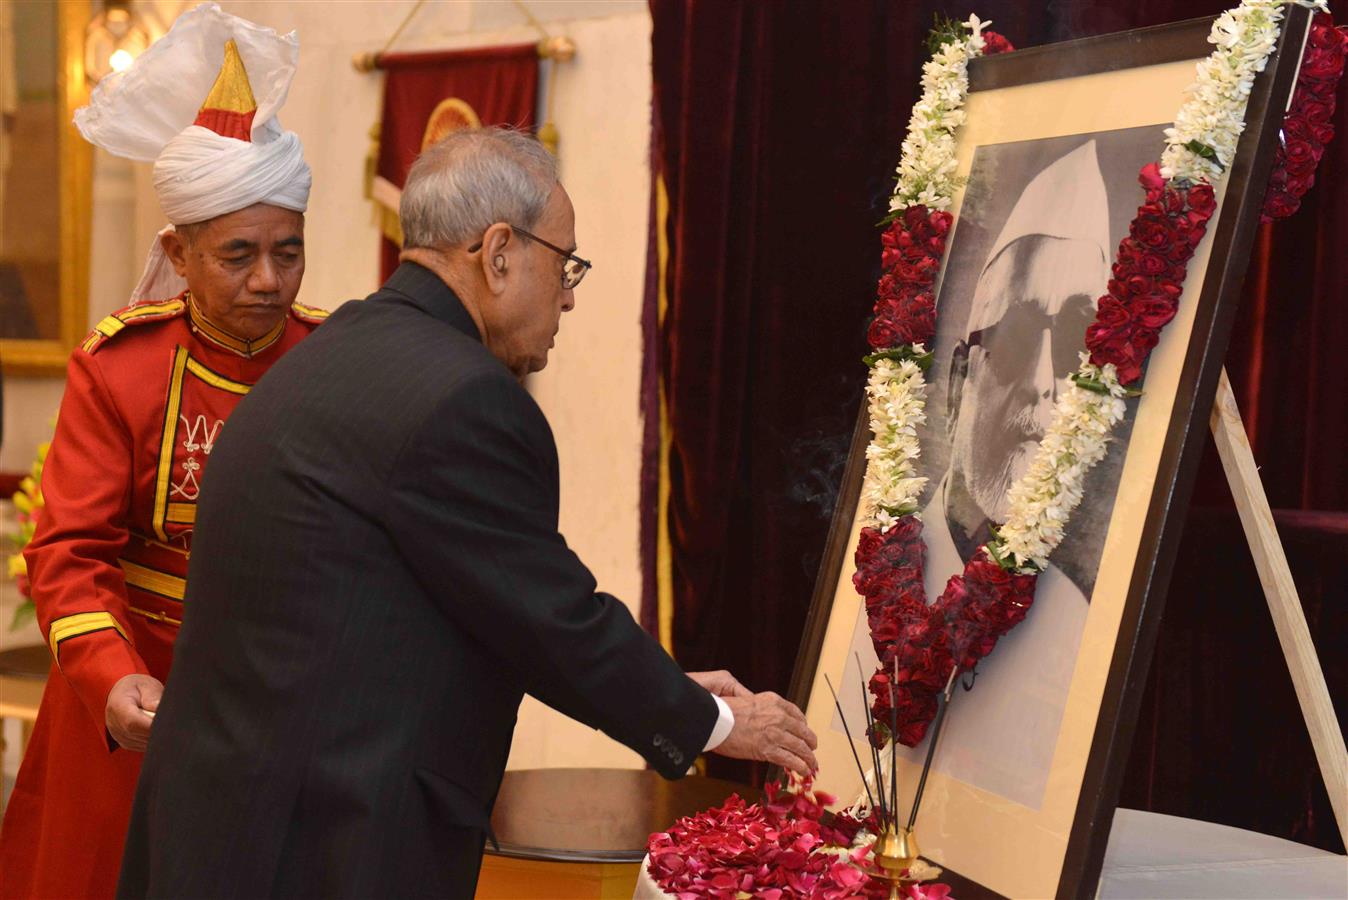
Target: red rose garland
pixel 920 645
pixel 910 256
pixel 917 641
pixel 1148 273
pixel 1308 126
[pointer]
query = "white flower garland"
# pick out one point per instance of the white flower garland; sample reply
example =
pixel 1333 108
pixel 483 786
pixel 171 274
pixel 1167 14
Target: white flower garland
pixel 926 175
pixel 1202 142
pixel 898 394
pixel 926 172
pixel 1043 499
pixel 1213 116
pixel 1199 147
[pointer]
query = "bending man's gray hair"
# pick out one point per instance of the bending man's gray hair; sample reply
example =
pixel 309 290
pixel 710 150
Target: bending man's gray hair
pixel 471 180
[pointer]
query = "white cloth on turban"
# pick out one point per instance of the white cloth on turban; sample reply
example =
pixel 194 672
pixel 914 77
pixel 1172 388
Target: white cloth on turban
pixel 146 113
pixel 1066 201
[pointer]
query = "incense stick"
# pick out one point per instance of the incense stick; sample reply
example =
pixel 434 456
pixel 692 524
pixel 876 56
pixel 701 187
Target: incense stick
pixel 893 751
pixel 931 747
pixel 870 741
pixel 861 770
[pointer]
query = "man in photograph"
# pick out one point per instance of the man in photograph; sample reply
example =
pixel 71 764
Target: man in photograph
pixel 379 579
pixel 1027 325
pixel 1034 297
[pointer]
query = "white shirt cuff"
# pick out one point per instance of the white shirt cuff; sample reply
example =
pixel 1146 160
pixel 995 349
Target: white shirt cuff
pixel 725 721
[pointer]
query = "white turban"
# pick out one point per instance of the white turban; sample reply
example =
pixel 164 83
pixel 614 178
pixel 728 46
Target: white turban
pixel 1066 200
pixel 146 113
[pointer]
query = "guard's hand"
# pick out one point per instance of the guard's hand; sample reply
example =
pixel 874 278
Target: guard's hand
pixel 721 683
pixel 770 729
pixel 130 703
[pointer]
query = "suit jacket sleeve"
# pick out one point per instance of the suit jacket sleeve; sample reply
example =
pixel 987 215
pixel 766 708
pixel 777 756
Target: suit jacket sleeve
pixel 77 585
pixel 473 508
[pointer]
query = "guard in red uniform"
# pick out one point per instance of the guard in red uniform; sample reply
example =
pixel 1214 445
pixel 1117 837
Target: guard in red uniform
pixel 147 395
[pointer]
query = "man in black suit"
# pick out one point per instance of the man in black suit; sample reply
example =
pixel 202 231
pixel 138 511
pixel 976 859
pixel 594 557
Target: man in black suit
pixel 378 579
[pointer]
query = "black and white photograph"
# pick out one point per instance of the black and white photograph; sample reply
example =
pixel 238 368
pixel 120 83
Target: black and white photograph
pixel 1028 257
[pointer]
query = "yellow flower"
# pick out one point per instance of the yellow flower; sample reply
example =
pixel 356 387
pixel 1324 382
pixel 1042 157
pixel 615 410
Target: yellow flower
pixel 17 566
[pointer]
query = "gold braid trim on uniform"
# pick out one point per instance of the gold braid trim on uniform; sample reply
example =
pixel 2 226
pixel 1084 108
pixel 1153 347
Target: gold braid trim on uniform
pixel 217 335
pixel 112 325
pixel 311 314
pixel 146 579
pixel 171 407
pixel 67 627
pixel 215 379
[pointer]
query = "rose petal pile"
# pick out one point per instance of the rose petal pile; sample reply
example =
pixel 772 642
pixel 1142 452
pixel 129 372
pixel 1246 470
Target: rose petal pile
pixel 776 850
pixel 1148 273
pixel 1309 124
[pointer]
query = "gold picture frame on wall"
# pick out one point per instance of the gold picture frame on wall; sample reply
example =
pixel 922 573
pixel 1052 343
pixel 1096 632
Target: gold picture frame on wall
pixel 45 186
pixel 1020 796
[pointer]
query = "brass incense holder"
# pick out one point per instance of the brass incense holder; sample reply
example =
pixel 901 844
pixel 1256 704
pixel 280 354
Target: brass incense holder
pixel 900 860
pixel 896 851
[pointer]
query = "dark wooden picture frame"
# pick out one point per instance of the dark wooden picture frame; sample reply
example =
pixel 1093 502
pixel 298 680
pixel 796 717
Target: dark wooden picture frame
pixel 1184 436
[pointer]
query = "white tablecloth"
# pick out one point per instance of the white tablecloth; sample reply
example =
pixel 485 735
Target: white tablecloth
pixel 1159 857
pixel 1156 857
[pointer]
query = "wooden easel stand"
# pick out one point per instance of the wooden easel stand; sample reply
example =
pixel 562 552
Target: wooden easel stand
pixel 1289 620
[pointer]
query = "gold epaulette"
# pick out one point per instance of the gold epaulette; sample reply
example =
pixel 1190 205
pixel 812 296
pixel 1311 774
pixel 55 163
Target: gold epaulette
pixel 311 314
pixel 139 314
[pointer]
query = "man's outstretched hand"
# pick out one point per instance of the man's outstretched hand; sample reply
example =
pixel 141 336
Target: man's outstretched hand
pixel 721 683
pixel 769 729
pixel 131 705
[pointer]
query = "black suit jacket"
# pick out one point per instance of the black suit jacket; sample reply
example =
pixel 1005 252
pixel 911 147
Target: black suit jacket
pixel 377 579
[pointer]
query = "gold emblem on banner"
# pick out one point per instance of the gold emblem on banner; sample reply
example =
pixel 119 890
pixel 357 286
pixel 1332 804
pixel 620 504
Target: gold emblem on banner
pixel 450 114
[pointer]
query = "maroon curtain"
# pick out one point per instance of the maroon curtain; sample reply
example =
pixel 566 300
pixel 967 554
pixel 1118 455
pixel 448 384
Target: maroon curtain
pixel 778 128
pixel 500 84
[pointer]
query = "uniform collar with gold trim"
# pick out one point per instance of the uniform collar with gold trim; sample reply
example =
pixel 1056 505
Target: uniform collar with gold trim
pixel 218 336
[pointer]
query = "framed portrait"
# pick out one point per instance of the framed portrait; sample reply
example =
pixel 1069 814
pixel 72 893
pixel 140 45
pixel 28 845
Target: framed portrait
pixel 1021 793
pixel 45 186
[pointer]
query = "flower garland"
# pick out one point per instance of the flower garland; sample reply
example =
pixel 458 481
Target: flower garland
pixel 1308 126
pixel 920 645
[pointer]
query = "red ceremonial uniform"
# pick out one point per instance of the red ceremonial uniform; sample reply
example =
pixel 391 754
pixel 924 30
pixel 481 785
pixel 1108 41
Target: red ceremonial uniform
pixel 147 395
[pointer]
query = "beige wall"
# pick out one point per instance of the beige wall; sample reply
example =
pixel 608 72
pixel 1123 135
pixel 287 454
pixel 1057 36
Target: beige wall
pixel 590 389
